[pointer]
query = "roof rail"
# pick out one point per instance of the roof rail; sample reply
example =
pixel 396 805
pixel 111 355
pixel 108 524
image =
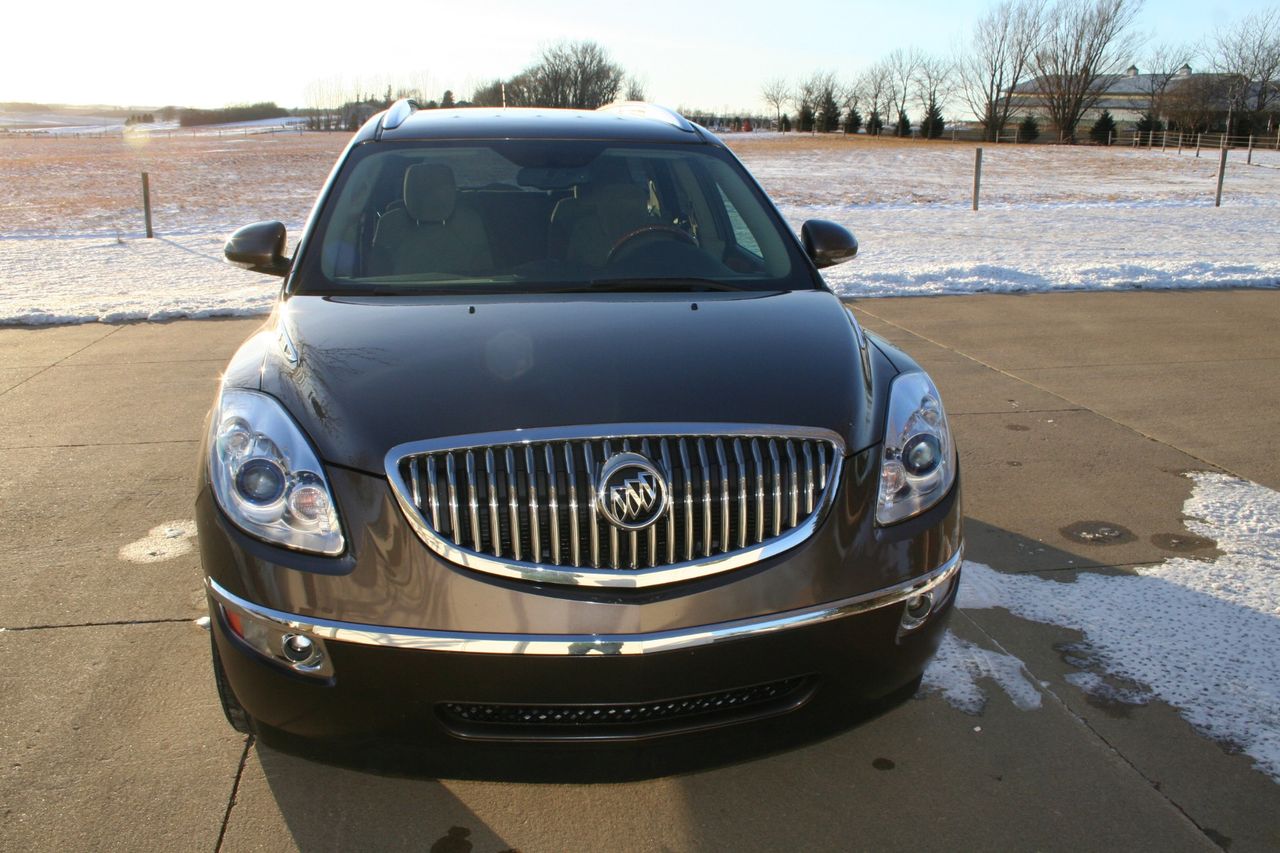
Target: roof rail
pixel 398 112
pixel 642 109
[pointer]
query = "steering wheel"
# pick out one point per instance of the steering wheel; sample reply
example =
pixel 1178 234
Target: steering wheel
pixel 670 231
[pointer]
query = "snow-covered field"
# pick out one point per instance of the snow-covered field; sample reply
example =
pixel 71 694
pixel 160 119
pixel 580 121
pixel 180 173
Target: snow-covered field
pixel 71 247
pixel 1201 636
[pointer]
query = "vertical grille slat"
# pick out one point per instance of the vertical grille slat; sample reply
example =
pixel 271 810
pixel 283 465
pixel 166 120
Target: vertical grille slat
pixel 575 546
pixel 553 505
pixel 595 510
pixel 473 501
pixel 808 476
pixel 742 492
pixel 451 475
pixel 688 500
pixel 793 483
pixel 533 501
pixel 495 528
pixel 513 504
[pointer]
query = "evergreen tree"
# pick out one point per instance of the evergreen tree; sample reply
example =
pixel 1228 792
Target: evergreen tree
pixel 1103 129
pixel 933 124
pixel 805 119
pixel 852 120
pixel 785 124
pixel 875 124
pixel 1148 124
pixel 828 113
pixel 1028 129
pixel 446 100
pixel 903 128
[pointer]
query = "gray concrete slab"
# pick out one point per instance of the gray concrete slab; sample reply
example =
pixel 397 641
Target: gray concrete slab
pixel 112 740
pixel 1055 329
pixel 109 404
pixel 41 347
pixel 955 781
pixel 181 340
pixel 1219 411
pixel 1066 776
pixel 67 514
pixel 10 377
pixel 1029 477
pixel 1153 738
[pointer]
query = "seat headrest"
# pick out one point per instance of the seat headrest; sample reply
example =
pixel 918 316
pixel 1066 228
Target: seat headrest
pixel 429 192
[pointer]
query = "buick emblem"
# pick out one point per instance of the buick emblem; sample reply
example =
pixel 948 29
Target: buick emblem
pixel 631 492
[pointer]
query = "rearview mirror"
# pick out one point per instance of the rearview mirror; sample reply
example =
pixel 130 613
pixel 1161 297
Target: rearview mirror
pixel 259 247
pixel 827 243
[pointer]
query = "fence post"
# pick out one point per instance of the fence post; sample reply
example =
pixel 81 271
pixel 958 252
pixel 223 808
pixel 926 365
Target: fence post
pixel 1222 172
pixel 146 203
pixel 1164 142
pixel 1198 135
pixel 1179 141
pixel 977 175
pixel 1249 160
pixel 1109 133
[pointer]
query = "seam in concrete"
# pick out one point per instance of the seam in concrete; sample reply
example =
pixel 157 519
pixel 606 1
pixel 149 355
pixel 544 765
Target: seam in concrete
pixel 1091 568
pixel 235 790
pixel 1018 411
pixel 1146 363
pixel 114 624
pixel 49 367
pixel 101 444
pixel 1084 723
pixel 1002 371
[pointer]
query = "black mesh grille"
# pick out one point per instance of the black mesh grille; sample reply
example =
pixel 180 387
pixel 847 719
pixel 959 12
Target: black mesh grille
pixel 625 719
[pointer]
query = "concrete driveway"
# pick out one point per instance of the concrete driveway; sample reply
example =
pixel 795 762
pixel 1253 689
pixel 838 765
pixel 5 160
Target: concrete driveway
pixel 1073 411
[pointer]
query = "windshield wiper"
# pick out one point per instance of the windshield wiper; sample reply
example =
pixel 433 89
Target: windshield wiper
pixel 643 285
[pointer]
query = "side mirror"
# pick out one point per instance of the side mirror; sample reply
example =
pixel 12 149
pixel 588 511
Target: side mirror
pixel 259 247
pixel 827 243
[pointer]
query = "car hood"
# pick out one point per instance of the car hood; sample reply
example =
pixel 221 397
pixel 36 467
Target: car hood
pixel 366 374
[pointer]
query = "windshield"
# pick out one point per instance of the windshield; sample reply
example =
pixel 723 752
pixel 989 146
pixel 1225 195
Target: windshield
pixel 547 215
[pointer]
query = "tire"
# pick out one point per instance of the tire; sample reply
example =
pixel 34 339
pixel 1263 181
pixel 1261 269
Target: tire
pixel 235 713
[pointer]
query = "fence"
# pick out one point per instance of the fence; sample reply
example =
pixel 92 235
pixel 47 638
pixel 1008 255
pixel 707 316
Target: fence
pixel 150 133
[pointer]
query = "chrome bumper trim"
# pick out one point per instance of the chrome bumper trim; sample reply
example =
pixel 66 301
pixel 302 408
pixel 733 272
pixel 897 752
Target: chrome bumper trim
pixel 584 644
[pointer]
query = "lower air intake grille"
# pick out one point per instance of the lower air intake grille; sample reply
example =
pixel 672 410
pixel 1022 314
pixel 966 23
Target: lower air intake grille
pixel 625 720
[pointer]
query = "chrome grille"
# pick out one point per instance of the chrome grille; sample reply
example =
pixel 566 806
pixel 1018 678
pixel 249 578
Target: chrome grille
pixel 523 503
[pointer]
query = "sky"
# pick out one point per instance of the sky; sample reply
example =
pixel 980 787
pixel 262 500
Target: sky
pixel 708 55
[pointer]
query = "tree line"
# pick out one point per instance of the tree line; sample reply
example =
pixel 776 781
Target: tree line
pixel 1074 50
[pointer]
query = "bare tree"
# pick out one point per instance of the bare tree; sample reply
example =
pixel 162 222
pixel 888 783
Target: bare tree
pixel 576 75
pixel 1085 44
pixel 635 89
pixel 996 58
pixel 777 94
pixel 1163 62
pixel 901 67
pixel 874 84
pixel 1248 54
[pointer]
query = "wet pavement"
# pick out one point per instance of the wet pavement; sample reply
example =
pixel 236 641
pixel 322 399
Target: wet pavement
pixel 1078 416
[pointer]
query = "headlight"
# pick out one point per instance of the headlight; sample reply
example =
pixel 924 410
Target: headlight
pixel 919 463
pixel 267 478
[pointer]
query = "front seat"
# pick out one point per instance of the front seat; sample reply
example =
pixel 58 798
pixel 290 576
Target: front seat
pixel 430 233
pixel 585 228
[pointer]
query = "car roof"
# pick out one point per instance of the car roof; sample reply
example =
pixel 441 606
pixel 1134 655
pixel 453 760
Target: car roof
pixel 632 123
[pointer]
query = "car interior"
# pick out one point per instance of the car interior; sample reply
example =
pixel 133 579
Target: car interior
pixel 424 215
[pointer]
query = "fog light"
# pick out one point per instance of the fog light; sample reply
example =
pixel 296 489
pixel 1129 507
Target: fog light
pixel 917 610
pixel 298 648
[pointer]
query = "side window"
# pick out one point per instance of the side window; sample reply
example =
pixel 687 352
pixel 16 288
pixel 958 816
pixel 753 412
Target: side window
pixel 741 233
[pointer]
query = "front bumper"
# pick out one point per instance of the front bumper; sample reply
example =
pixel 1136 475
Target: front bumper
pixel 521 706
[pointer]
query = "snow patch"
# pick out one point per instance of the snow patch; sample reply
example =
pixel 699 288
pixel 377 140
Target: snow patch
pixel 1202 636
pixel 960 665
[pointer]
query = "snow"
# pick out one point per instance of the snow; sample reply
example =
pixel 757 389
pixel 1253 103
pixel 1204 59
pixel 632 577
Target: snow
pixel 1199 635
pixel 163 542
pixel 1052 217
pixel 959 666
